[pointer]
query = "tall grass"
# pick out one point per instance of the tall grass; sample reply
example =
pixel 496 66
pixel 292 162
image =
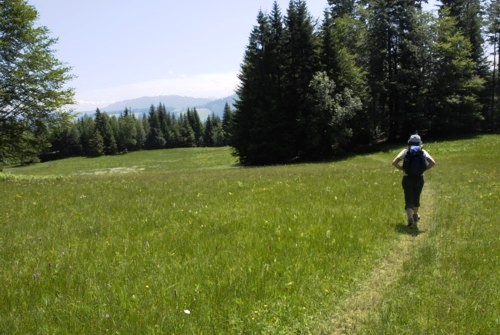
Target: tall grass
pixel 451 286
pixel 157 243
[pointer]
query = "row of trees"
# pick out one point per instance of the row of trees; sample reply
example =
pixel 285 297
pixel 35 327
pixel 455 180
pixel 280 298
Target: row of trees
pixel 109 135
pixel 371 71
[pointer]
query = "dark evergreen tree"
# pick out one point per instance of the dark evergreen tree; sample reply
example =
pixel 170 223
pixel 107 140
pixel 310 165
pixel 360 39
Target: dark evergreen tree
pixel 96 146
pixel 213 135
pixel 74 147
pixel 141 134
pixel 146 127
pixel 280 60
pixel 65 142
pixel 218 137
pixel 155 138
pixel 454 95
pixel 194 121
pixel 127 138
pixel 398 44
pixel 207 133
pixel 86 127
pixel 164 119
pixel 300 51
pixel 468 16
pixel 103 125
pixel 227 124
pixel 249 120
pixel 187 135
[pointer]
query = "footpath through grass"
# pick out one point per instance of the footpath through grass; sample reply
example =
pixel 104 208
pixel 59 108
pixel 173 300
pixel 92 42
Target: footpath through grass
pixel 451 284
pixel 183 241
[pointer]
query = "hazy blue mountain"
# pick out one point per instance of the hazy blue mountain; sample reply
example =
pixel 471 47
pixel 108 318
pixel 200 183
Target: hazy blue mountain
pixel 169 101
pixel 217 106
pixel 173 103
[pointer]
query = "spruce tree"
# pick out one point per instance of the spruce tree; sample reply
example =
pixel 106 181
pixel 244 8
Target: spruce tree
pixel 250 105
pixel 300 51
pixel 468 16
pixel 194 121
pixel 155 138
pixel 456 108
pixel 227 124
pixel 398 44
pixel 103 125
pixel 96 146
pixel 127 139
pixel 187 135
pixel 141 134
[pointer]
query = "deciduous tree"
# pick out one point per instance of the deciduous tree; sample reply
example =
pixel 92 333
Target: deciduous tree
pixel 32 80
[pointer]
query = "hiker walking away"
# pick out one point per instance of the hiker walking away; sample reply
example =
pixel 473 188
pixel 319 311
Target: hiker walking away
pixel 413 161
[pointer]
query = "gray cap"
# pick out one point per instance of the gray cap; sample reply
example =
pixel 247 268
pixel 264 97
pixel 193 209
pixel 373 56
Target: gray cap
pixel 415 139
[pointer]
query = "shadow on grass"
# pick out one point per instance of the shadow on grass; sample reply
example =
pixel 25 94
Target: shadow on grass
pixel 404 229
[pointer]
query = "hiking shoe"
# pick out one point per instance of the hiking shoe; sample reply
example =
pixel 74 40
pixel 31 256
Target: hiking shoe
pixel 416 218
pixel 410 222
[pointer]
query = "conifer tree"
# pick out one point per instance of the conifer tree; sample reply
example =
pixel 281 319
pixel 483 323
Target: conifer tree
pixel 187 135
pixel 398 45
pixel 141 134
pixel 468 17
pixel 249 105
pixel 300 64
pixel 454 95
pixel 103 125
pixel 86 127
pixel 96 146
pixel 127 139
pixel 194 121
pixel 155 138
pixel 227 124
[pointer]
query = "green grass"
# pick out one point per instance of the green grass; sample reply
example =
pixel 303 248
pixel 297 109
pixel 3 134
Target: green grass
pixel 127 244
pixel 451 285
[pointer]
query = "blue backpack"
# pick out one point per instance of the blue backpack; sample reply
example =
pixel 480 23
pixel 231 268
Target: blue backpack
pixel 414 162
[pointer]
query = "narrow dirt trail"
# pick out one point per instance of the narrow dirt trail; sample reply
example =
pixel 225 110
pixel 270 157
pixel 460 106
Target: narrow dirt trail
pixel 351 314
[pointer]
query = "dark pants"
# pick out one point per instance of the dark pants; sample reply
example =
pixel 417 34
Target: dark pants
pixel 412 187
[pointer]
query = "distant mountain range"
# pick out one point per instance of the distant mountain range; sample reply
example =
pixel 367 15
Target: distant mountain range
pixel 173 103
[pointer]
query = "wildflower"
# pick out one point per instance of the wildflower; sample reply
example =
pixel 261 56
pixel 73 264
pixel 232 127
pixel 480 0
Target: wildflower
pixel 187 311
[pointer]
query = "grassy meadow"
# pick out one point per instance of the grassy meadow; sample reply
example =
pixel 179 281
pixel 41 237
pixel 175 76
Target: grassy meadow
pixel 185 241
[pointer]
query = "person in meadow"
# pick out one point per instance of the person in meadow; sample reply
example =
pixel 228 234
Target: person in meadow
pixel 413 161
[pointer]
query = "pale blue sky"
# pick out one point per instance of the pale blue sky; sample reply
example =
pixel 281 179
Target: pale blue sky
pixel 124 49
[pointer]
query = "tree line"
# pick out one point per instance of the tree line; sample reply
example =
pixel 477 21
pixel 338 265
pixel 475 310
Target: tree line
pixel 367 72
pixel 370 71
pixel 159 129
